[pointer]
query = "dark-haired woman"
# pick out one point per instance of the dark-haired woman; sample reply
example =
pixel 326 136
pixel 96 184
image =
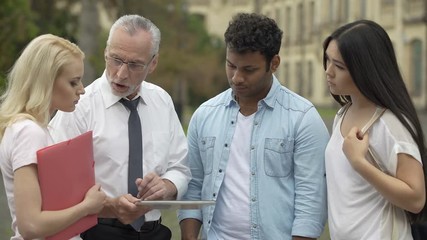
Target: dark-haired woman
pixel 370 199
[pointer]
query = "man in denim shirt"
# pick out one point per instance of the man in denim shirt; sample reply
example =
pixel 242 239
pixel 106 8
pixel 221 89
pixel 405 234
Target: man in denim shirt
pixel 257 148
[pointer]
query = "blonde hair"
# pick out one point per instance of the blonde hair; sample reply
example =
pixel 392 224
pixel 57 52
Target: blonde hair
pixel 31 79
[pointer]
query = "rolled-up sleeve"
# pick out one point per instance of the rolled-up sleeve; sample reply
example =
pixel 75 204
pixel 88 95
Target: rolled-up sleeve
pixel 310 178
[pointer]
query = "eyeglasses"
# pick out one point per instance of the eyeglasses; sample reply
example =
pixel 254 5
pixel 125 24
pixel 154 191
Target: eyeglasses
pixel 132 66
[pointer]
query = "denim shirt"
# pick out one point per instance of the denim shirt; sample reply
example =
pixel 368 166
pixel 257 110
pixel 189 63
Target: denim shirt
pixel 287 183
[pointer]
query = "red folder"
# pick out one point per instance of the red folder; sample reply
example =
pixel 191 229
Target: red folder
pixel 66 172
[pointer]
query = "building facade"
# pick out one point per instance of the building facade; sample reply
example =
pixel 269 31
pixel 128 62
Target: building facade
pixel 306 23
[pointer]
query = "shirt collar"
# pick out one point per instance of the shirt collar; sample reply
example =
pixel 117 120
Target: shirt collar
pixel 111 99
pixel 268 100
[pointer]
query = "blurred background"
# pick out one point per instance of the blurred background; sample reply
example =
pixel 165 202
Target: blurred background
pixel 192 53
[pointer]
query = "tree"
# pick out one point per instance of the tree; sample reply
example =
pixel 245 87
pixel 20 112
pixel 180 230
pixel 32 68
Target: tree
pixel 191 63
pixel 87 38
pixel 23 20
pixel 57 17
pixel 17 28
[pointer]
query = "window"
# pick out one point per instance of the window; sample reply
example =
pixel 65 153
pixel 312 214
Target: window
pixel 416 68
pixel 300 79
pixel 331 10
pixel 310 79
pixel 300 22
pixel 285 80
pixel 287 30
pixel 310 21
pixel 387 2
pixel 363 9
pixel 278 17
pixel 345 10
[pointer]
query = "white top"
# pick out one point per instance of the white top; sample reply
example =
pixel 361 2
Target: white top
pixel 18 148
pixel 164 143
pixel 356 210
pixel 231 218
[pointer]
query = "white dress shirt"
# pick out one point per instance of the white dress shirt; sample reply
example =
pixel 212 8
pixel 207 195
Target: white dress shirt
pixel 164 142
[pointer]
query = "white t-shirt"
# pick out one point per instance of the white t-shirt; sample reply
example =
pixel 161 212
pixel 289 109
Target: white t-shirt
pixel 356 210
pixel 231 218
pixel 18 148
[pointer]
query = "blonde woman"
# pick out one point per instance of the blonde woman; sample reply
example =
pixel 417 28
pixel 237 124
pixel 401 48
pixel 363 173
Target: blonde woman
pixel 45 78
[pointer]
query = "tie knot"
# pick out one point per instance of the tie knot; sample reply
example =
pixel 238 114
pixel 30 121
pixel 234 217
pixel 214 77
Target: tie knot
pixel 131 105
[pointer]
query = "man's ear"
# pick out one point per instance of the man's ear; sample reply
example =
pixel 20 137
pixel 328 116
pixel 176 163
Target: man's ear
pixel 154 63
pixel 275 61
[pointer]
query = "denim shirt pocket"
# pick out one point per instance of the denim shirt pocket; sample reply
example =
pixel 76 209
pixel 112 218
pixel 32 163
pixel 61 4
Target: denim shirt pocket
pixel 278 154
pixel 206 146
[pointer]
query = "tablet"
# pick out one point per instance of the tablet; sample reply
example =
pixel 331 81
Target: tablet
pixel 174 204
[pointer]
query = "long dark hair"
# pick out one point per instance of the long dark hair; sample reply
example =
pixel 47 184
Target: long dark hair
pixel 370 58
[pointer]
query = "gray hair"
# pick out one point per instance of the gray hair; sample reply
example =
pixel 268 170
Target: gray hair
pixel 132 23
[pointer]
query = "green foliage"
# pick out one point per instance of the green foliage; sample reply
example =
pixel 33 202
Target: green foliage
pixel 2 83
pixel 17 27
pixel 191 63
pixel 56 17
pixel 327 113
pixel 23 20
pixel 98 59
